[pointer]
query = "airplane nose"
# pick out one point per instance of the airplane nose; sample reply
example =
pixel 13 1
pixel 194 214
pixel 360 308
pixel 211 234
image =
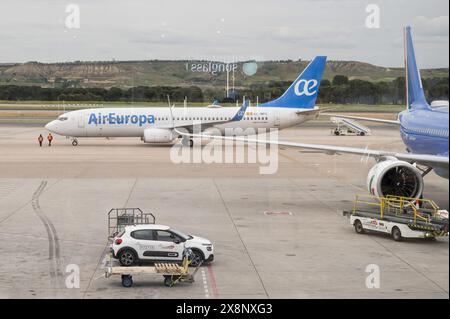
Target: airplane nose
pixel 51 126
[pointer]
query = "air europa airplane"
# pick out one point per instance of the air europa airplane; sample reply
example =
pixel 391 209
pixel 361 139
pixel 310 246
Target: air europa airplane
pixel 157 125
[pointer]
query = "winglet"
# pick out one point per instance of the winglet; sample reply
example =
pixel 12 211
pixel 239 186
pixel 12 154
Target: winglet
pixel 241 112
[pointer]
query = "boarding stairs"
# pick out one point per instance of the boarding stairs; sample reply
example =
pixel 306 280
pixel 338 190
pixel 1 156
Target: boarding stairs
pixel 350 125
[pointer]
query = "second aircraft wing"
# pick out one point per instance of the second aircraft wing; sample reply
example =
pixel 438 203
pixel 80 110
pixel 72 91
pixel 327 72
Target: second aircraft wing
pixel 428 160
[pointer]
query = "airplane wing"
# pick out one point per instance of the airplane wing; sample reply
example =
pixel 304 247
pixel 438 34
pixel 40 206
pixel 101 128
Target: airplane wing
pixel 189 127
pixel 423 159
pixel 370 119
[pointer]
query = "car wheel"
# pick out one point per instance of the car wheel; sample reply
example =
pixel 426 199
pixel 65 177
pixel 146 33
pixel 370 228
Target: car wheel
pixel 359 227
pixel 197 258
pixel 396 234
pixel 127 258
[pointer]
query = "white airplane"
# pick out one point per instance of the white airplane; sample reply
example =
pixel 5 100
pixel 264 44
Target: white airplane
pixel 424 131
pixel 157 125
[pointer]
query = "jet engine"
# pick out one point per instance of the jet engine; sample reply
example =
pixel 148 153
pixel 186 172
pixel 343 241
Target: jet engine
pixel 396 178
pixel 158 135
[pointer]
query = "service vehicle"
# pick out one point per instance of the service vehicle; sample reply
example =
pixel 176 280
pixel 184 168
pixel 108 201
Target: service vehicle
pixel 345 126
pixel 398 216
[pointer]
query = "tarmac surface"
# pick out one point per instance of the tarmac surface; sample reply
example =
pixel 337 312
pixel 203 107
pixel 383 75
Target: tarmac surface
pixel 275 236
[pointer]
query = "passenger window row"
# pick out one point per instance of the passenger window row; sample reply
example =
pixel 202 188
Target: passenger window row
pixel 264 118
pixel 435 132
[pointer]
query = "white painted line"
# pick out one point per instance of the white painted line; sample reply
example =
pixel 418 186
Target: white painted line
pixel 205 284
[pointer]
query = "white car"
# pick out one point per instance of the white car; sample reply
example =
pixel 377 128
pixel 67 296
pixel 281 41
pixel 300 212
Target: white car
pixel 140 243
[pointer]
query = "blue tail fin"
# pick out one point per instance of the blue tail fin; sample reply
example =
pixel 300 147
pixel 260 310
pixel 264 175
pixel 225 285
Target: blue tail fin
pixel 303 91
pixel 415 94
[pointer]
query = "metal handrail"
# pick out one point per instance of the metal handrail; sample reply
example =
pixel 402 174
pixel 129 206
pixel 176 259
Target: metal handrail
pixel 396 205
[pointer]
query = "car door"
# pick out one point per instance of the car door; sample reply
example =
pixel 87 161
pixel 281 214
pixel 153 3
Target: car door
pixel 170 245
pixel 144 243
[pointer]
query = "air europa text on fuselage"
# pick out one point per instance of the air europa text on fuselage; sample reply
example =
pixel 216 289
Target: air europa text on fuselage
pixel 113 118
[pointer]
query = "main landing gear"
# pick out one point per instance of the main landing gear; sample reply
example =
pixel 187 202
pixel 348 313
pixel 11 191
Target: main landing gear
pixel 75 142
pixel 185 141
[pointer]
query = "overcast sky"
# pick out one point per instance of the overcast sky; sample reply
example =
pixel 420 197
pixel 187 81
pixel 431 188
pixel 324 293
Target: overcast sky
pixel 35 30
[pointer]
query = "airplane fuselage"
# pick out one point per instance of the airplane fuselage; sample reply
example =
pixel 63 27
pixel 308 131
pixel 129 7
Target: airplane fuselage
pixel 131 122
pixel 425 131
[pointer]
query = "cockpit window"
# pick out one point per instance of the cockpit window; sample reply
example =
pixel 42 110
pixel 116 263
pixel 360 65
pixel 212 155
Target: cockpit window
pixel 63 118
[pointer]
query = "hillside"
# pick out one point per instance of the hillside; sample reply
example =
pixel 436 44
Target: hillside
pixel 180 73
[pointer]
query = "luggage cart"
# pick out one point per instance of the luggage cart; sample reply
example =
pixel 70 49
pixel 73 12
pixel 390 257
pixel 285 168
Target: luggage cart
pixel 171 272
pixel 119 218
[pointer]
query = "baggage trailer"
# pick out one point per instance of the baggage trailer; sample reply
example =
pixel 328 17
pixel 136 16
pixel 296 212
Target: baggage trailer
pixel 171 272
pixel 398 216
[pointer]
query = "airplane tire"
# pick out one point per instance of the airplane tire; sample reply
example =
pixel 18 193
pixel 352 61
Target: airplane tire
pixel 74 143
pixel 185 142
pixel 191 143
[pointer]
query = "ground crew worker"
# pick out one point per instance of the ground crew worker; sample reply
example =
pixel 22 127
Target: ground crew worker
pixel 50 139
pixel 40 140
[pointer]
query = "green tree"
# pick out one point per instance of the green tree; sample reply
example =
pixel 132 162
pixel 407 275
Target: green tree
pixel 340 80
pixel 398 90
pixel 114 94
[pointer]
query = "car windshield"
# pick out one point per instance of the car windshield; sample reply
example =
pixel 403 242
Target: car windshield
pixel 181 234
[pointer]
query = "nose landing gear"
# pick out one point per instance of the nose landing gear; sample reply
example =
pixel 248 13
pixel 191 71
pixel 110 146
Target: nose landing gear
pixel 74 142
